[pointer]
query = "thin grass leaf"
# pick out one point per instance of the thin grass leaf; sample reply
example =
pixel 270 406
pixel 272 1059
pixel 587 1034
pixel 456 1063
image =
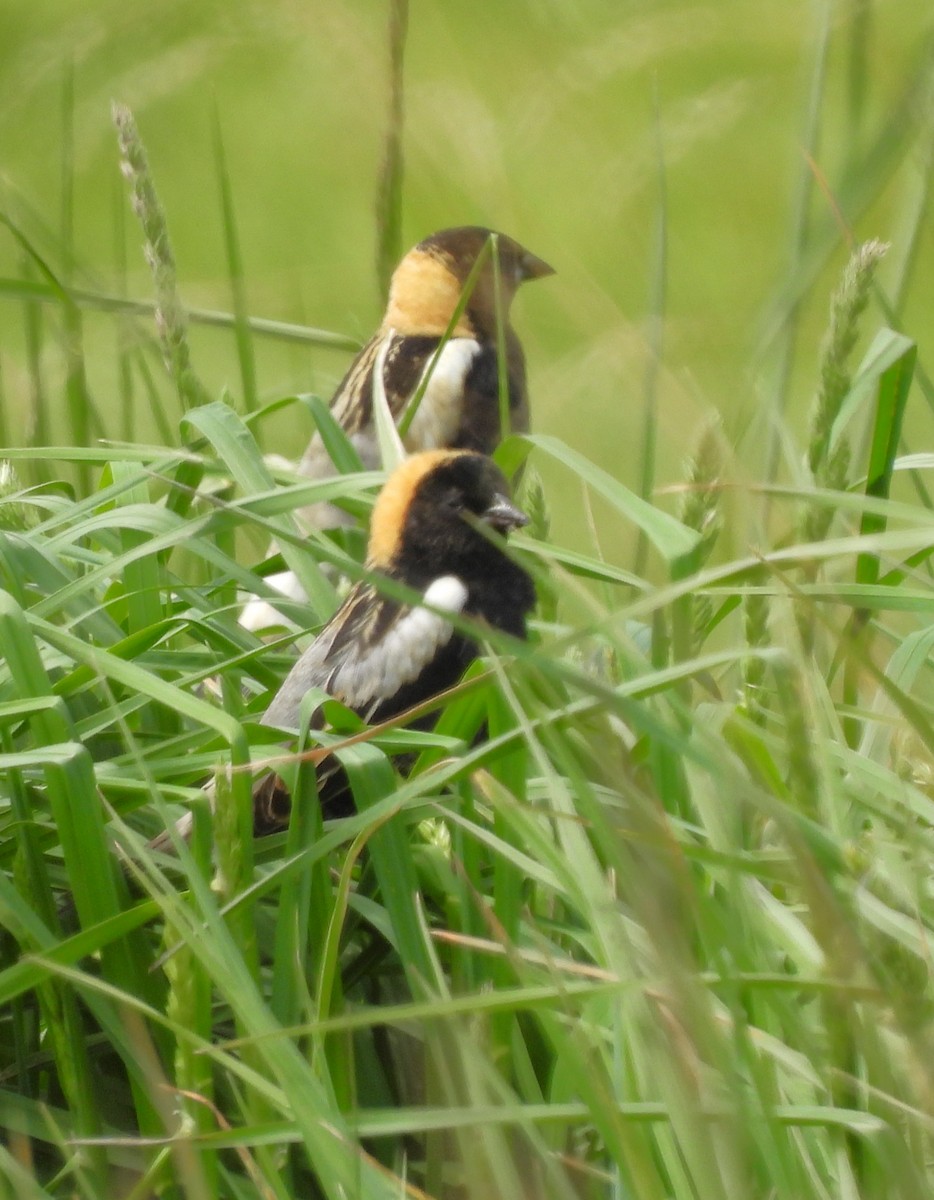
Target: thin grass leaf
pixel 242 334
pixel 297 956
pixel 656 328
pixel 371 778
pixel 502 372
pixel 37 422
pixel 894 383
pixel 673 540
pixel 239 452
pixel 389 184
pixel 392 452
pixel 4 431
pixel 143 577
pixel 341 450
pixel 785 324
pixel 76 388
pixel 100 301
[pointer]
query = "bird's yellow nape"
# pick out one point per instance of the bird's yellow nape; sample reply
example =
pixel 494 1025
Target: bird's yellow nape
pixel 392 505
pixel 423 296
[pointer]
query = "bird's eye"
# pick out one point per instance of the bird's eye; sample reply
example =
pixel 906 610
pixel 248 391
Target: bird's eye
pixel 454 502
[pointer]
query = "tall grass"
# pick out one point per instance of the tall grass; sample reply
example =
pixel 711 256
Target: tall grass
pixel 665 932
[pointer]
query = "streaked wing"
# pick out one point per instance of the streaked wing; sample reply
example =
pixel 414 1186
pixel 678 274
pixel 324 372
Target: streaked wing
pixel 272 804
pixel 439 421
pixel 370 649
pixel 403 365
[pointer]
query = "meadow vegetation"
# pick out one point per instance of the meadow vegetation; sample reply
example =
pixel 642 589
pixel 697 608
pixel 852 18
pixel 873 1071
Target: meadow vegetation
pixel 666 932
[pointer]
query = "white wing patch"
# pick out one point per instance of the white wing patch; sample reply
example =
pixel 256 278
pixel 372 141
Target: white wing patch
pixel 404 652
pixel 364 680
pixel 447 593
pixel 439 414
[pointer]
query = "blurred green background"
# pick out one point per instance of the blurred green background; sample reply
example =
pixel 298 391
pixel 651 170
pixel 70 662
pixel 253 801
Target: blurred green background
pixel 700 163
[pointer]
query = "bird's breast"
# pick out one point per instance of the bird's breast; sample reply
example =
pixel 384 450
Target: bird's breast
pixel 441 410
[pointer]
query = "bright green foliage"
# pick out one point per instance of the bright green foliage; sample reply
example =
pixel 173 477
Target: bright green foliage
pixel 663 944
pixel 664 932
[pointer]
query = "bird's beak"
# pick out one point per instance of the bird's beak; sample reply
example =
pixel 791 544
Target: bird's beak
pixel 533 267
pixel 503 515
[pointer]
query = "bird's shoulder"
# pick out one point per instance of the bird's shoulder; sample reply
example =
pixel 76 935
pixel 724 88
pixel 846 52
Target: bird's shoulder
pixel 405 358
pixel 371 648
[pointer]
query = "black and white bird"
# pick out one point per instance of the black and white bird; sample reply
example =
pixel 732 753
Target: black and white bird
pixel 437 527
pixel 460 405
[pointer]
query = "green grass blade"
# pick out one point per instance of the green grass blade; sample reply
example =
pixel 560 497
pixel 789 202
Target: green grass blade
pixel 242 333
pixel 674 541
pixel 894 383
pixel 656 330
pixel 238 450
pixel 389 187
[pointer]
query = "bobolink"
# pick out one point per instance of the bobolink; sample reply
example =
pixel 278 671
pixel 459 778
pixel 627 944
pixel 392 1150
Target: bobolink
pixel 460 405
pixel 379 656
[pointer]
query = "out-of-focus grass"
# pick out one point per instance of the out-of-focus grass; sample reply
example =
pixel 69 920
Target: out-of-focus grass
pixel 535 119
